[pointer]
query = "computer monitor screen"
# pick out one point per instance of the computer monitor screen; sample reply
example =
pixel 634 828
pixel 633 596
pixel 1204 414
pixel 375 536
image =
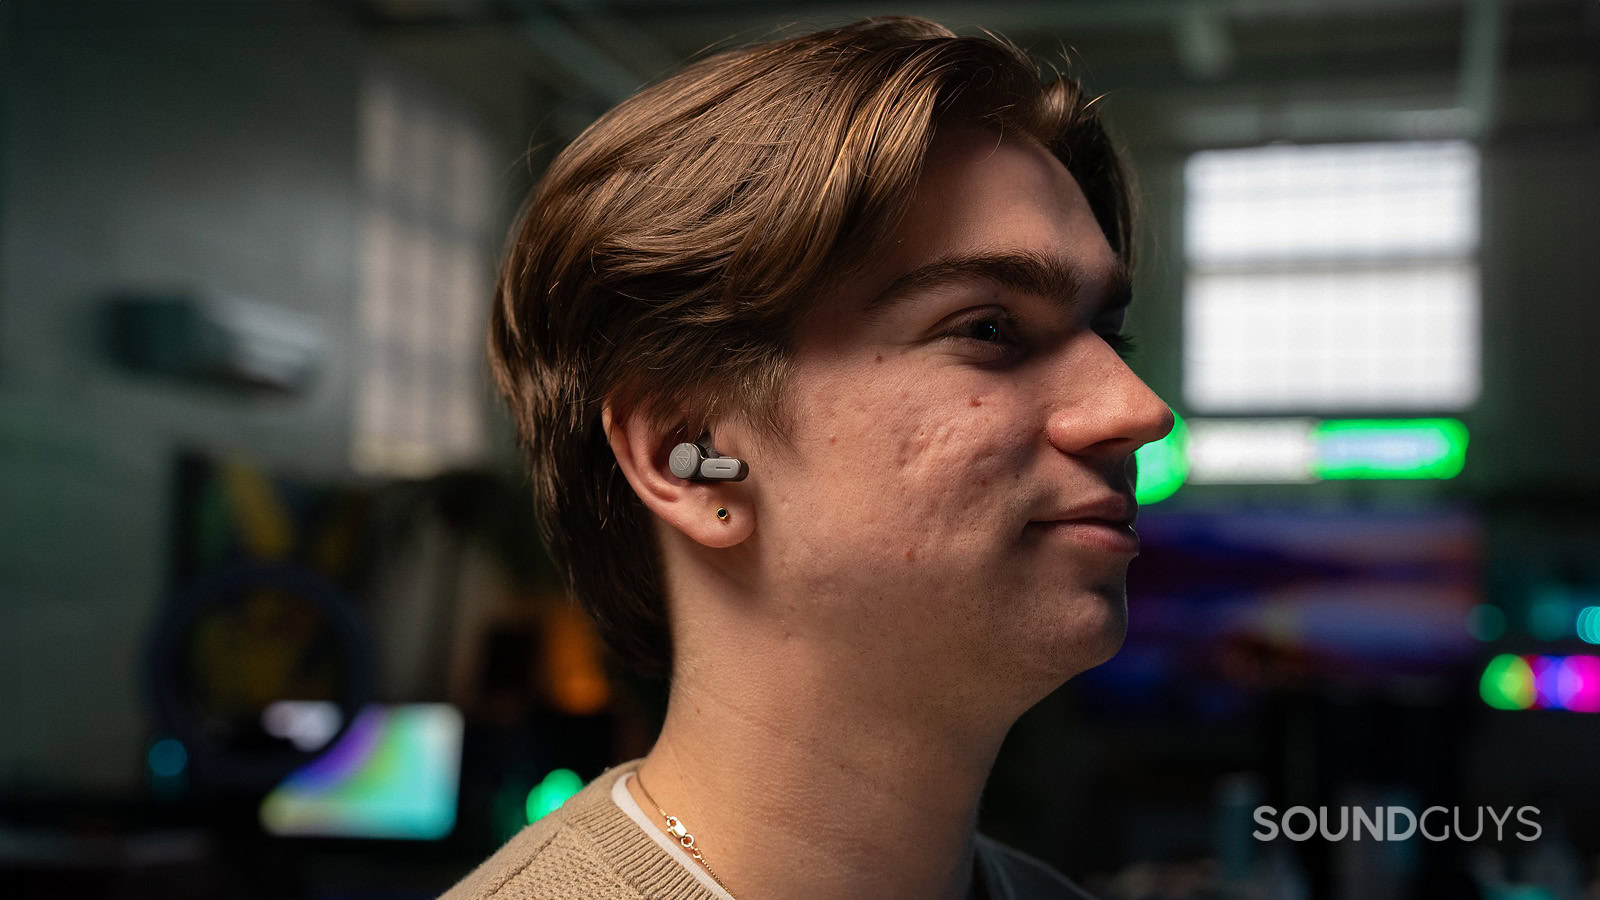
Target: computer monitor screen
pixel 393 774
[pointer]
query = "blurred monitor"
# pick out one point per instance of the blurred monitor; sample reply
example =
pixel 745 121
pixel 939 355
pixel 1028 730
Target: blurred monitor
pixel 1225 604
pixel 393 774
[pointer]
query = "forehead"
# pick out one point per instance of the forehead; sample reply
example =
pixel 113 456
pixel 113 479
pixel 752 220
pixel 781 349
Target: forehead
pixel 984 193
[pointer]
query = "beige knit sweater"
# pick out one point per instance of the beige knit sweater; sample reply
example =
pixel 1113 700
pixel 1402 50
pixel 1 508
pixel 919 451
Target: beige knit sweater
pixel 590 849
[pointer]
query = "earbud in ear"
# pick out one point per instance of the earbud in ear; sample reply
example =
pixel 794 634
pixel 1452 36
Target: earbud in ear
pixel 699 462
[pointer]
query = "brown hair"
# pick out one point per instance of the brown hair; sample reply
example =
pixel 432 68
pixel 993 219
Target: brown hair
pixel 669 253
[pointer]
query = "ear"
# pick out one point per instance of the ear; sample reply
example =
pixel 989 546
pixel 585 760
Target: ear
pixel 689 506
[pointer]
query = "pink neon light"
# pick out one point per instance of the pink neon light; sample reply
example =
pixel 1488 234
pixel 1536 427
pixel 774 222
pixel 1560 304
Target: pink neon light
pixel 1577 683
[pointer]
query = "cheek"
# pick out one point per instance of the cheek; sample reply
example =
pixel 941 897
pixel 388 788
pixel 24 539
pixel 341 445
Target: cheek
pixel 923 479
pixel 947 470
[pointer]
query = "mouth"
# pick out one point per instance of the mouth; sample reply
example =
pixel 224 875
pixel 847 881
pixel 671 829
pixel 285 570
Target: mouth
pixel 1110 536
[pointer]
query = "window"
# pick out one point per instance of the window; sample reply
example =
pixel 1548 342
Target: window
pixel 1333 278
pixel 425 282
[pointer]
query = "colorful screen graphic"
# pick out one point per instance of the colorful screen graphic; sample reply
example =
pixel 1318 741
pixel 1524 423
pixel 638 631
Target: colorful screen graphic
pixel 394 774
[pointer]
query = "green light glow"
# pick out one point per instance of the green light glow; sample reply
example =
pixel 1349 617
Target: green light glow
pixel 1389 448
pixel 1507 682
pixel 1163 465
pixel 548 795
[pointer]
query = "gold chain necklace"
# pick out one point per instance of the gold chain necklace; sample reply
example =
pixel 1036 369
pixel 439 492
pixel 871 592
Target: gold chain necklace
pixel 676 828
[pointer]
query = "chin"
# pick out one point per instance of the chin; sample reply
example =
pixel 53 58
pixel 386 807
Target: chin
pixel 1105 630
pixel 1110 640
pixel 1088 638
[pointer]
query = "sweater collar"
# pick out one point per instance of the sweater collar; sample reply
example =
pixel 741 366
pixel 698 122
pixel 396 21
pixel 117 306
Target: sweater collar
pixel 654 872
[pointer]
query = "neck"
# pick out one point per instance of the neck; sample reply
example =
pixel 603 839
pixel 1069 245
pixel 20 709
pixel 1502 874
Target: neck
pixel 797 782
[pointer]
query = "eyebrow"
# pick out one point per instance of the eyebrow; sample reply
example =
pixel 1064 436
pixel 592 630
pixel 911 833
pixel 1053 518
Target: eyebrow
pixel 1051 278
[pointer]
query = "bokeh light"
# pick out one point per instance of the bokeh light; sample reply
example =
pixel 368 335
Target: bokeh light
pixel 1507 682
pixel 548 795
pixel 1163 465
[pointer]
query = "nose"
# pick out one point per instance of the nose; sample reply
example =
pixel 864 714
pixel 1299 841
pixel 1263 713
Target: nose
pixel 1107 410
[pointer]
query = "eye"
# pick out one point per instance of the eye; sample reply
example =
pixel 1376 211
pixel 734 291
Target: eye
pixel 997 329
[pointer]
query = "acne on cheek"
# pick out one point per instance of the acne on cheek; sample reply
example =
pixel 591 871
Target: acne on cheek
pixel 912 449
pixel 927 458
pixel 981 480
pixel 969 455
pixel 915 448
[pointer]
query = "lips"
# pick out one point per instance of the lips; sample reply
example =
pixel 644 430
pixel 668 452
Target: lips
pixel 1096 534
pixel 1113 509
pixel 1103 523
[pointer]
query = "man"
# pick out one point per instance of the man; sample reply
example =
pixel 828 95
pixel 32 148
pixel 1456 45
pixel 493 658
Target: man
pixel 887 268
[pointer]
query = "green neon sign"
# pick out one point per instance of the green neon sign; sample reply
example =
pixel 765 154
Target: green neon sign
pixel 1389 448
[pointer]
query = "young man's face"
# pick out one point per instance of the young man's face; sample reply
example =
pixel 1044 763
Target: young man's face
pixel 934 436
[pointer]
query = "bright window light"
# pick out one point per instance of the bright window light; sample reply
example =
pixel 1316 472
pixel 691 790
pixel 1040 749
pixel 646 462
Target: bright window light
pixel 1332 278
pixel 1251 450
pixel 428 192
pixel 1383 338
pixel 1337 201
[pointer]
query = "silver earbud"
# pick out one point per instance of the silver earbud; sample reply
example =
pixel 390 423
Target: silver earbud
pixel 699 462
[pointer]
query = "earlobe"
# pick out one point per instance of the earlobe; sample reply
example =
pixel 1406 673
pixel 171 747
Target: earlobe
pixel 710 513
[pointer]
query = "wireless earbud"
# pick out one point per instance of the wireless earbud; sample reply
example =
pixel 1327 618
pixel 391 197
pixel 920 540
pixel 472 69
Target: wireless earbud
pixel 699 462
